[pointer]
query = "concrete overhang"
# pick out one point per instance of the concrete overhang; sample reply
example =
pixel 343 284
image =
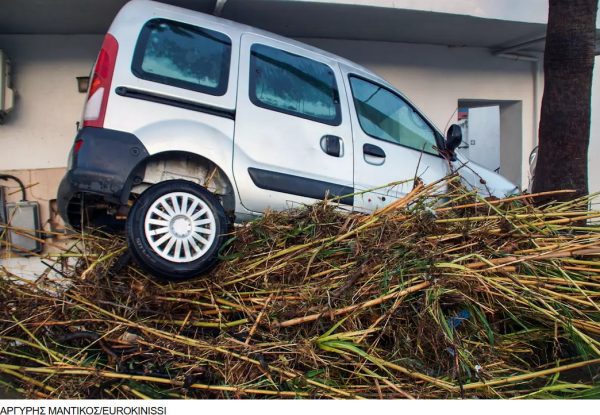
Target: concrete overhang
pixel 351 19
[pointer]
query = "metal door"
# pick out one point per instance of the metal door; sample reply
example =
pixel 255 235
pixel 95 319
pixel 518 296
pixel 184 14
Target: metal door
pixel 293 139
pixel 484 137
pixel 393 144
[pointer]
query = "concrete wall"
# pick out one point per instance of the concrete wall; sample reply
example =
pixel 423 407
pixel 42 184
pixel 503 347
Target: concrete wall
pixel 511 149
pixel 41 186
pixel 41 129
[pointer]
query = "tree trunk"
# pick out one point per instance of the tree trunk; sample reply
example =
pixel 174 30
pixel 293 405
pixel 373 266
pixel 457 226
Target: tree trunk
pixel 564 133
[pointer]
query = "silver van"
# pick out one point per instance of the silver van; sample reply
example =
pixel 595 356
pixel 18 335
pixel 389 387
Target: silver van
pixel 193 122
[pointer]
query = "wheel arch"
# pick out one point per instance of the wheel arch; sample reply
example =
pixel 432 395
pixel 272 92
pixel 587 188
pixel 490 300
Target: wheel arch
pixel 185 165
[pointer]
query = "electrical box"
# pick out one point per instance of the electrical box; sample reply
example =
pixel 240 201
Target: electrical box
pixel 7 96
pixel 24 218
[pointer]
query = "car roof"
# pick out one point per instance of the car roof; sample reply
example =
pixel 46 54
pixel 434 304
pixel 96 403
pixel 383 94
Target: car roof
pixel 152 9
pixel 136 11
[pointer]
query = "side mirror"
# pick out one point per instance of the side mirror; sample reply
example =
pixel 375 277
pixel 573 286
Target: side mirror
pixel 453 138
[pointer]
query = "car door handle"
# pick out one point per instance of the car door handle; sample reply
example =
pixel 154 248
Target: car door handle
pixel 373 154
pixel 371 150
pixel 332 145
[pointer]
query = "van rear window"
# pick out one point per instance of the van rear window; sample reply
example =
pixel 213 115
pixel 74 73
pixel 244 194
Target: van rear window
pixel 184 56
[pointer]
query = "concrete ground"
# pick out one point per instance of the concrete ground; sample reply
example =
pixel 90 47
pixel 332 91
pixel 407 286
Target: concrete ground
pixel 30 268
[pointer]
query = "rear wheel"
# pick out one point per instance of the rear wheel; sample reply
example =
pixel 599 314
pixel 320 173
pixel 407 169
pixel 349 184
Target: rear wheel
pixel 175 229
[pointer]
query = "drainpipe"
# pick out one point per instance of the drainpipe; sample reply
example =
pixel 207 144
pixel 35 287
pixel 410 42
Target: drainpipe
pixel 509 53
pixel 537 66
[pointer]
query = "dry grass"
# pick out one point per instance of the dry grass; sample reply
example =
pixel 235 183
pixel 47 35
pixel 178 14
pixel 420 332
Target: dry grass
pixel 437 296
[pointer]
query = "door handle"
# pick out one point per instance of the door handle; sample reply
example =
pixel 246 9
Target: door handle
pixel 373 154
pixel 332 145
pixel 371 150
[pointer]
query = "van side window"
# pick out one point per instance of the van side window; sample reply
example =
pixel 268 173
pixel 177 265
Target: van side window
pixel 294 85
pixel 184 56
pixel 384 115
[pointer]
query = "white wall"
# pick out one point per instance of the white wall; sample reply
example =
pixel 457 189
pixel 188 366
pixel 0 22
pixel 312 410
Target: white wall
pixel 518 10
pixel 41 129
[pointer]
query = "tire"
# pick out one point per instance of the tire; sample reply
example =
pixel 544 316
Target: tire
pixel 175 230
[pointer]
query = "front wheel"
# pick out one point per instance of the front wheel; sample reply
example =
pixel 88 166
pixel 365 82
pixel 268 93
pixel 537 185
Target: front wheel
pixel 175 230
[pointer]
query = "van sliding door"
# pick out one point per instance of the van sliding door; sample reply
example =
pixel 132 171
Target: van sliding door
pixel 293 140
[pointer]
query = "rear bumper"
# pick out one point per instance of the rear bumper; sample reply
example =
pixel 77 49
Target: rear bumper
pixel 104 166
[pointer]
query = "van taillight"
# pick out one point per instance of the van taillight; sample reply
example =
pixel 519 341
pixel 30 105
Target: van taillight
pixel 95 107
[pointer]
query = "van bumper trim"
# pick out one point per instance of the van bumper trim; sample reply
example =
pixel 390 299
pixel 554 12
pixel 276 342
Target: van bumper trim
pixel 104 166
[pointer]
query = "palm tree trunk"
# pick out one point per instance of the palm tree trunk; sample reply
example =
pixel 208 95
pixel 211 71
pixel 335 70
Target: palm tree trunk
pixel 566 105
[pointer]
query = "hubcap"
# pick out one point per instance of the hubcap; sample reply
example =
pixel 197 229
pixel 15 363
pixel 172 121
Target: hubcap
pixel 180 227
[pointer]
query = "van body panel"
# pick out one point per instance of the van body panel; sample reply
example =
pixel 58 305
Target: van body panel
pixel 379 181
pixel 126 28
pixel 176 129
pixel 204 135
pixel 486 182
pixel 101 163
pixel 284 144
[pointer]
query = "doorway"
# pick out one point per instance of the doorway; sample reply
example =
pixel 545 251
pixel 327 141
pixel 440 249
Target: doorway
pixel 493 135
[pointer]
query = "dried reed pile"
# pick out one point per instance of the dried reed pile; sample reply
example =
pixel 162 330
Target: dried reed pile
pixel 436 296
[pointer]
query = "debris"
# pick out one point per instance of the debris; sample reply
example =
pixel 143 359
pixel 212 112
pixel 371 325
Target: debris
pixel 317 303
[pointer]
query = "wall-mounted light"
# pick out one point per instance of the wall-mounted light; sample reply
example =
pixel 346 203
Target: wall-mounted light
pixel 83 83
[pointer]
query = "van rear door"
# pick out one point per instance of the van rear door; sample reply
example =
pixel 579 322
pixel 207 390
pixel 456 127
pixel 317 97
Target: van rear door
pixel 293 140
